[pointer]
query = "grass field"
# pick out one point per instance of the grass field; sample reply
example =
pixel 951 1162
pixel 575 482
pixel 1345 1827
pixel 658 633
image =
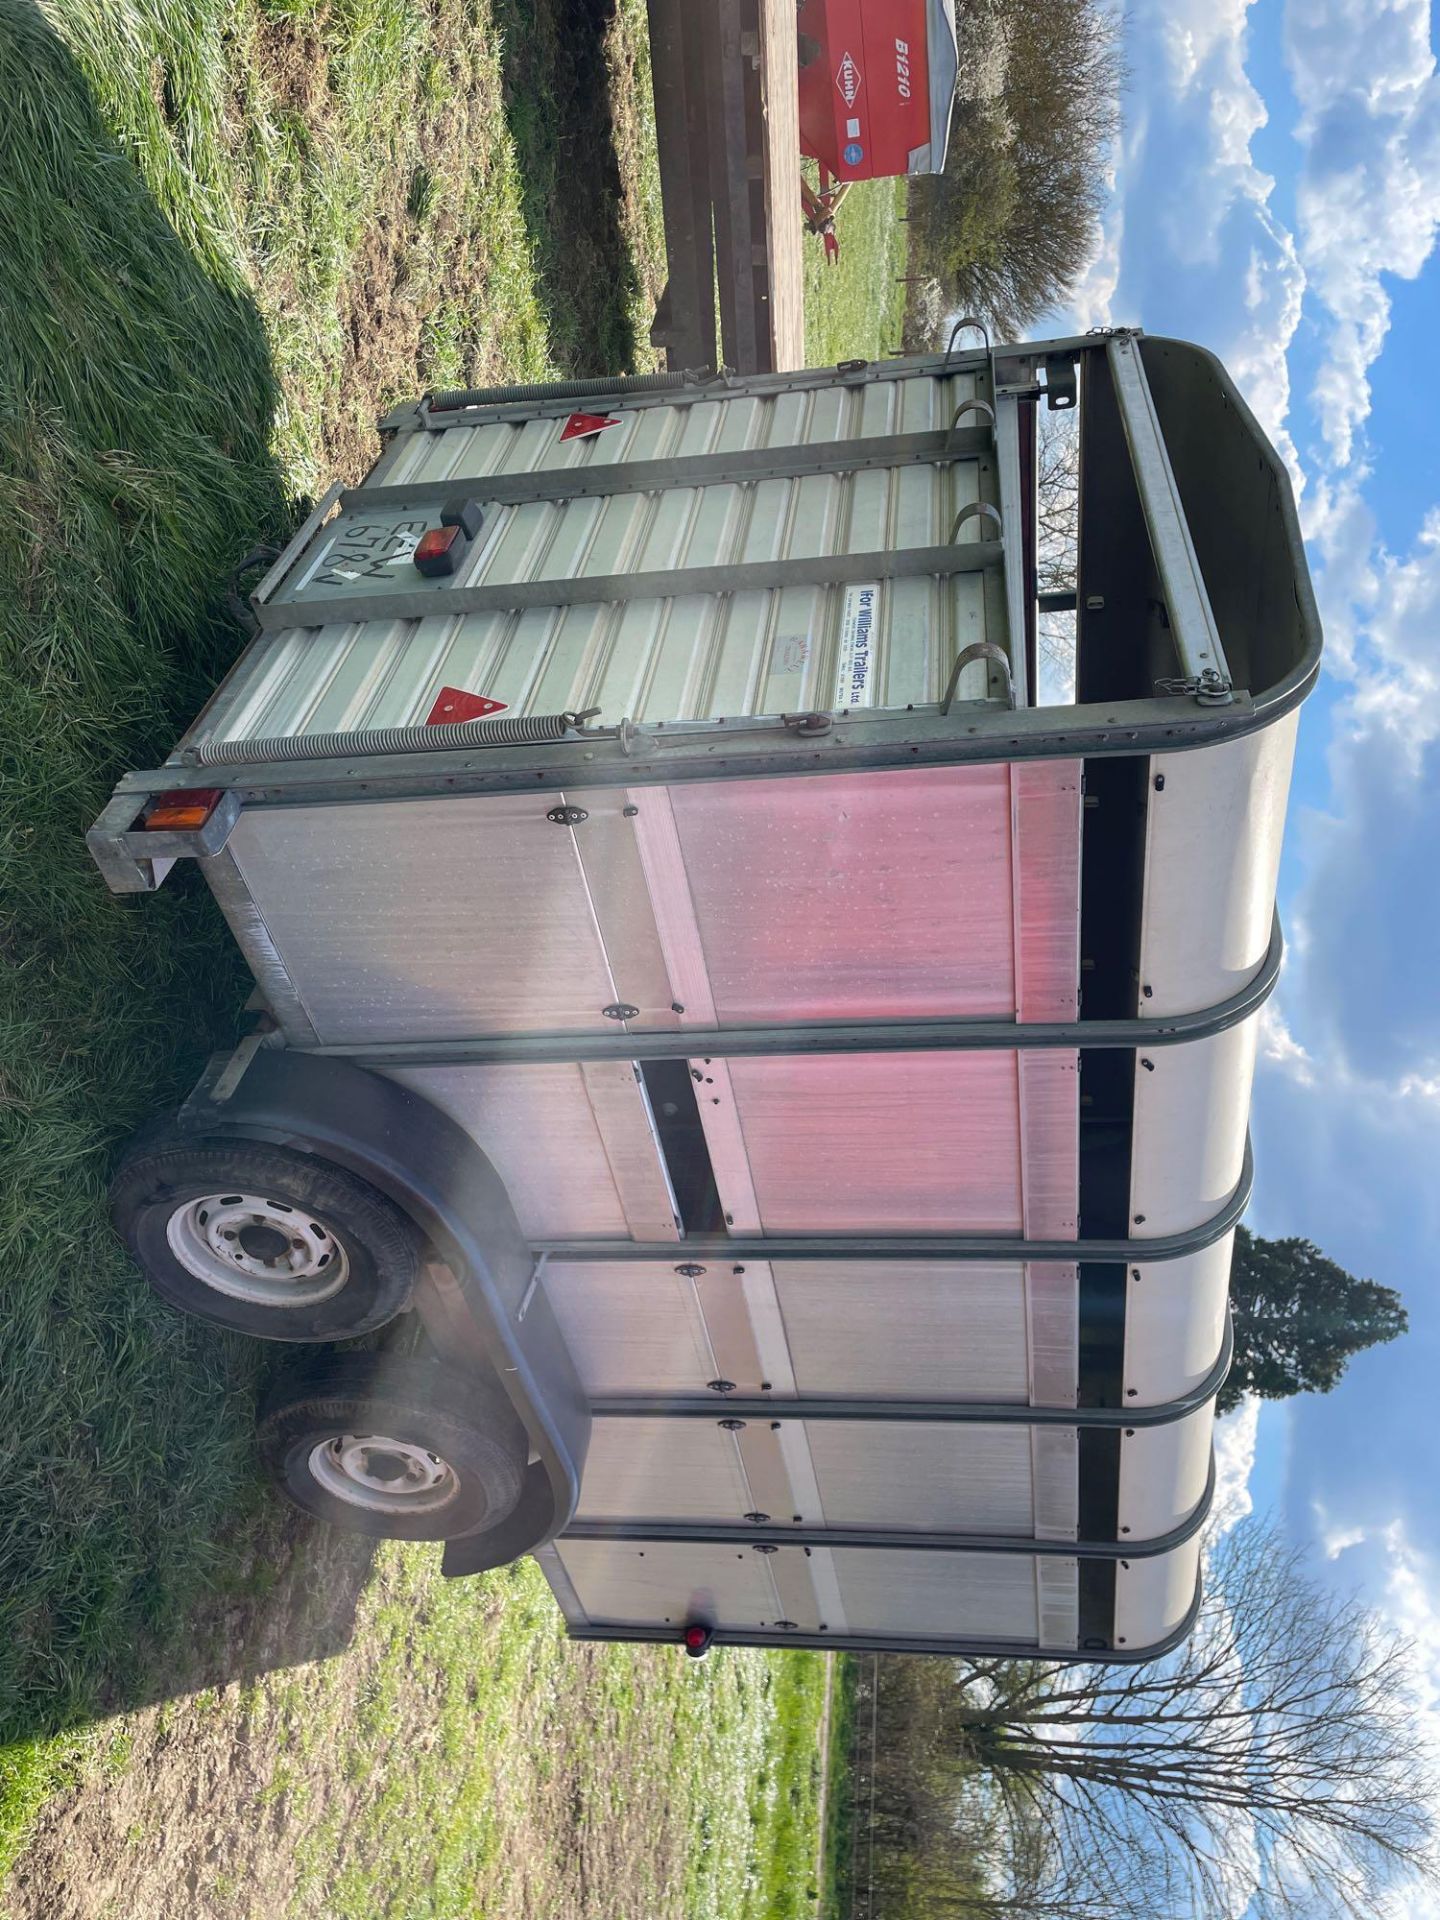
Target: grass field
pixel 233 233
pixel 457 1758
pixel 855 308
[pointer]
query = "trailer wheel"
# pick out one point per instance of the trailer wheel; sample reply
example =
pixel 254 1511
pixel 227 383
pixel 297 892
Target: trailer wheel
pixel 263 1240
pixel 400 1449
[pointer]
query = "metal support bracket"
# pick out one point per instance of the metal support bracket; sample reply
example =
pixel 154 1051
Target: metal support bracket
pixel 1192 620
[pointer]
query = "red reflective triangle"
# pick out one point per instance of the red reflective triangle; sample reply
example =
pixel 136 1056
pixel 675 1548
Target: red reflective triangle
pixel 453 703
pixel 581 425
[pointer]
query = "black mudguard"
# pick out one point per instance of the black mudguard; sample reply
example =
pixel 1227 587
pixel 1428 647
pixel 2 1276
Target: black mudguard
pixel 479 1305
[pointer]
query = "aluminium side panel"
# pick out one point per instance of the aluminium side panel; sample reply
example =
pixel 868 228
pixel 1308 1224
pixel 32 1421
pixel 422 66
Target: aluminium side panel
pixel 862 1328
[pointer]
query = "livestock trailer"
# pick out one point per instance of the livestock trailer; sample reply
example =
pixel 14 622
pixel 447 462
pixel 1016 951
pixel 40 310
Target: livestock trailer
pixel 795 1083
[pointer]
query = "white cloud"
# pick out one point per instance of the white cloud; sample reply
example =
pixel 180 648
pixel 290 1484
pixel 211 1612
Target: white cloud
pixel 1190 239
pixel 1235 1438
pixel 1279 1046
pixel 1338 1540
pixel 1363 995
pixel 1368 199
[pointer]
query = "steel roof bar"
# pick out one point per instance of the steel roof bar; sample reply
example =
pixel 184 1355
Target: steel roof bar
pixel 773 1409
pixel 745 576
pixel 726 1249
pixel 687 470
pixel 728 386
pixel 1007 442
pixel 1192 621
pixel 851 1036
pixel 646 755
pixel 709 1533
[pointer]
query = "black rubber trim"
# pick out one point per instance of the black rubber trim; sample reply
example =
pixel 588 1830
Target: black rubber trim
pixel 854 1036
pixel 933 1412
pixel 728 1248
pixel 884 1643
pixel 433 1170
pixel 705 1533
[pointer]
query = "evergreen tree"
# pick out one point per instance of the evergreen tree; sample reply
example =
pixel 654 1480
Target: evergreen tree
pixel 1298 1319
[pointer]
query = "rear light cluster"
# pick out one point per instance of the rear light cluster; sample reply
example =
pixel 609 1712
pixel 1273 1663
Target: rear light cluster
pixel 697 1637
pixel 184 811
pixel 442 549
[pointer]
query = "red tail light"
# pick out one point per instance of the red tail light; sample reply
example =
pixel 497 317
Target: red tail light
pixel 441 549
pixel 182 811
pixel 697 1638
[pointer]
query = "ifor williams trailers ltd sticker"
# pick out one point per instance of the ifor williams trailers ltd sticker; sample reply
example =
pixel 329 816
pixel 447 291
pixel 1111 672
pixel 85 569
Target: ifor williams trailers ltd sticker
pixel 855 665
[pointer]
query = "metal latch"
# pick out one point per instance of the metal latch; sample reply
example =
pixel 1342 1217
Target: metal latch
pixel 1209 687
pixel 1060 390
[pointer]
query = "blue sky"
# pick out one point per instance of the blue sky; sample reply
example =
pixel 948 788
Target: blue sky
pixel 1276 196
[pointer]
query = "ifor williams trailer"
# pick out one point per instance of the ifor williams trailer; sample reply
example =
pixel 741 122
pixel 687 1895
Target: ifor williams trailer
pixel 798 1082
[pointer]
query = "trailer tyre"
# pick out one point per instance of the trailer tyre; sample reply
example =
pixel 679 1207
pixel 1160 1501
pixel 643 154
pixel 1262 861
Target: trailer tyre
pixel 263 1240
pixel 399 1449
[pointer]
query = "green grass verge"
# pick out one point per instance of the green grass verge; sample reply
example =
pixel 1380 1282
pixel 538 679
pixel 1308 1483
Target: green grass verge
pixel 854 309
pixel 837 1842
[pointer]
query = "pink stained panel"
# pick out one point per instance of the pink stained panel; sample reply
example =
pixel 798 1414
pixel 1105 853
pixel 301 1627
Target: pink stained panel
pixel 1045 801
pixel 1045 814
pixel 889 1143
pixel 860 896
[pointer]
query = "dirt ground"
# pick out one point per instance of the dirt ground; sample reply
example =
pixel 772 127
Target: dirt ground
pixel 363 1739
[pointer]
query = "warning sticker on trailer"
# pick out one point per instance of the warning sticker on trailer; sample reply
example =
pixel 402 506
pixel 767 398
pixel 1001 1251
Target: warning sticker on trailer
pixel 454 703
pixel 855 667
pixel 581 426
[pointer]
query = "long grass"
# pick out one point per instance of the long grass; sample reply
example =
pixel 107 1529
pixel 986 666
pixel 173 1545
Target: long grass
pixel 232 233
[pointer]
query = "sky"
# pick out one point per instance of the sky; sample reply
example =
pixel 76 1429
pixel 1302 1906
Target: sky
pixel 1275 195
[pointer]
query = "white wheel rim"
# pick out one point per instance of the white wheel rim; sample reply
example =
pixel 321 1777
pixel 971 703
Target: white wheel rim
pixel 265 1252
pixel 382 1475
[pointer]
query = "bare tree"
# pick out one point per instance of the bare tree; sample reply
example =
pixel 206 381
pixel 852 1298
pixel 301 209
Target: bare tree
pixel 1057 543
pixel 1275 1757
